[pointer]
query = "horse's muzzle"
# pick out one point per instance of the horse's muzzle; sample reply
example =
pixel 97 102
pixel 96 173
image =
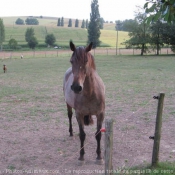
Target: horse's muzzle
pixel 76 88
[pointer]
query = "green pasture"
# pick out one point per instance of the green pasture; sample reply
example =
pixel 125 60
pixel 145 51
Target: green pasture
pixel 32 102
pixel 62 34
pixel 128 79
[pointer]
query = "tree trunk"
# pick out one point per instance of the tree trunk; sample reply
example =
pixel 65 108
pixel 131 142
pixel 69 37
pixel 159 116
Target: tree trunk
pixel 157 49
pixel 142 49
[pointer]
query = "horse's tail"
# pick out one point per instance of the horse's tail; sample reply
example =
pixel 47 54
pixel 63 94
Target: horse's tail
pixel 88 120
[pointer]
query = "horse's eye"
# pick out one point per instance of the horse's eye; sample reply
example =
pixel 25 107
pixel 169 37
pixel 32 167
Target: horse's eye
pixel 71 61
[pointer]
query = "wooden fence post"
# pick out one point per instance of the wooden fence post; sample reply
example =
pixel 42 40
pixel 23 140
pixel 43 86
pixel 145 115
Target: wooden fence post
pixel 108 146
pixel 157 136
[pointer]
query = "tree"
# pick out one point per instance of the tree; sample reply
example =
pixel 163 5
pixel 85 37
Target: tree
pixel 160 9
pixel 32 42
pixel 94 25
pixel 76 23
pixel 139 34
pixel 50 39
pixel 87 23
pixel 168 35
pixel 70 23
pixel 2 33
pixel 30 38
pixel 32 21
pixel 13 44
pixel 83 24
pixel 62 21
pixel 29 34
pixel 19 21
pixel 59 22
pixel 156 39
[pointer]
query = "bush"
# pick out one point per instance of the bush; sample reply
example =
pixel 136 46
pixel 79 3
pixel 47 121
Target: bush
pixel 19 21
pixel 13 44
pixel 31 21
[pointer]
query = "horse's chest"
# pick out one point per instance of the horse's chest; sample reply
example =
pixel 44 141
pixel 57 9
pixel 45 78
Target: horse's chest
pixel 88 106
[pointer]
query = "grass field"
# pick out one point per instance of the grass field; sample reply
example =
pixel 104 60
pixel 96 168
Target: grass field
pixel 62 34
pixel 34 124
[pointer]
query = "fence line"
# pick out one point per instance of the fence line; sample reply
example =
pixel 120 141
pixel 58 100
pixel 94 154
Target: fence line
pixel 156 138
pixel 57 53
pixel 108 161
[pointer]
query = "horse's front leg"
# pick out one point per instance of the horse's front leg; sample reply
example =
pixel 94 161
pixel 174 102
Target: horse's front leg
pixel 69 112
pixel 100 118
pixel 82 136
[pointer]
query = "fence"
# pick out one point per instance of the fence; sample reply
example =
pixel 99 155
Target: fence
pixel 157 136
pixel 57 53
pixel 116 146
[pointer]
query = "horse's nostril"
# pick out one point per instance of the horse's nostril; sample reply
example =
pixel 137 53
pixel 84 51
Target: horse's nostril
pixel 79 88
pixel 76 88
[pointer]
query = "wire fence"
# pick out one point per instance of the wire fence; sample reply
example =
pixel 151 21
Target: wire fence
pixel 131 143
pixel 98 51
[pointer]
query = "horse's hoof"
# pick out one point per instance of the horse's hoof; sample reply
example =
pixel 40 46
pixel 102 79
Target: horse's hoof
pixel 99 161
pixel 80 162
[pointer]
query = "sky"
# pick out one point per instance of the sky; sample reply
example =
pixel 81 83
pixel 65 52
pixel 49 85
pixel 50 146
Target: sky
pixel 110 10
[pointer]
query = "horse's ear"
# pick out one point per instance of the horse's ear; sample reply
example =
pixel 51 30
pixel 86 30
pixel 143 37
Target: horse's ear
pixel 89 47
pixel 72 46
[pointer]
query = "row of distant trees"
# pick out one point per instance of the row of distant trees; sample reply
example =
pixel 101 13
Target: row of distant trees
pixel 84 23
pixel 28 21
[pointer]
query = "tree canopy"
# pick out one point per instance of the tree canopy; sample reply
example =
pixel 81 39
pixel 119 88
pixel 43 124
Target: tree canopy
pixel 31 21
pixel 139 33
pixel 160 9
pixel 30 38
pixel 76 23
pixel 70 23
pixel 19 21
pixel 29 33
pixel 13 43
pixel 59 22
pixel 32 42
pixel 50 39
pixel 62 21
pixel 94 25
pixel 83 24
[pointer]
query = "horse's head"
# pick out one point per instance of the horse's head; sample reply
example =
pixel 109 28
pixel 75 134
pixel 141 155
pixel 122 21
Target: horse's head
pixel 81 62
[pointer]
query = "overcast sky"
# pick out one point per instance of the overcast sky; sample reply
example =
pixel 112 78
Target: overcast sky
pixel 110 10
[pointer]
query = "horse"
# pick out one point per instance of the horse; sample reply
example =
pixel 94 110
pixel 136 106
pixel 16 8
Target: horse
pixel 5 68
pixel 84 91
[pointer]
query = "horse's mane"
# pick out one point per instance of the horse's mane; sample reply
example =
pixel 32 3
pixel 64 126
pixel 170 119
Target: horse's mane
pixel 83 56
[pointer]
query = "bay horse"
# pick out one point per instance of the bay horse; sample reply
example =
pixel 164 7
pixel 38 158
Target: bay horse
pixel 84 91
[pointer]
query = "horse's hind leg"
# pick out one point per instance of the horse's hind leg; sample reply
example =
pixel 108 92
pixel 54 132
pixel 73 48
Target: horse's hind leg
pixel 69 112
pixel 100 119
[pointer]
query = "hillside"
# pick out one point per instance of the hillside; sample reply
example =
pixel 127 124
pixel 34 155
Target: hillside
pixel 62 34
